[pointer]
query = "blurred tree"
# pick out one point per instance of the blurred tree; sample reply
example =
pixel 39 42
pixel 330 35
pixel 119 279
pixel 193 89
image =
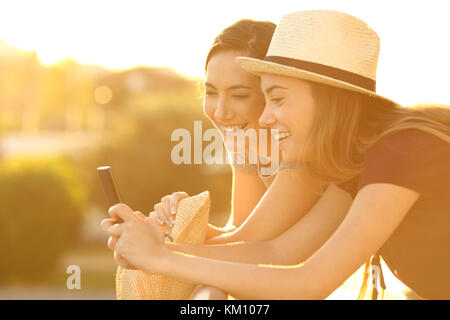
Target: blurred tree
pixel 137 145
pixel 42 203
pixel 134 122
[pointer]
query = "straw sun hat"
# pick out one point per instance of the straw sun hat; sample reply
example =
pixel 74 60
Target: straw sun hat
pixel 323 46
pixel 189 226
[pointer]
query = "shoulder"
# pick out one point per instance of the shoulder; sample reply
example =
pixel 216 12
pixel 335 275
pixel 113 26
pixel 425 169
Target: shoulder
pixel 409 146
pixel 405 157
pixel 405 141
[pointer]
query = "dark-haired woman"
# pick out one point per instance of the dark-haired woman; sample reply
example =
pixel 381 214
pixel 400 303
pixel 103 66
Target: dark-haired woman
pixel 233 101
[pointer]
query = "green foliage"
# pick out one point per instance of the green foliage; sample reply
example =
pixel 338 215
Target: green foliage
pixel 41 201
pixel 138 147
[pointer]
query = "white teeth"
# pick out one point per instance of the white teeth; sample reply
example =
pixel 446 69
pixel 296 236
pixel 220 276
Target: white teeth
pixel 282 135
pixel 233 128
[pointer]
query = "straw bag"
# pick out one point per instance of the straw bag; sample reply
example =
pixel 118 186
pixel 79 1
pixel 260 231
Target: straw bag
pixel 189 227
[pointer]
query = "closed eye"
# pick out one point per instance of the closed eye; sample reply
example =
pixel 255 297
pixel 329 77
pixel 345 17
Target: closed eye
pixel 241 96
pixel 276 100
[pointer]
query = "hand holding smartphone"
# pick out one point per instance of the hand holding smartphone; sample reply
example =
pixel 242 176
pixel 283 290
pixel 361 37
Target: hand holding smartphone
pixel 110 188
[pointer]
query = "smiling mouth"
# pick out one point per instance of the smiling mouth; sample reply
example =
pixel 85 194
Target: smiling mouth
pixel 233 129
pixel 282 136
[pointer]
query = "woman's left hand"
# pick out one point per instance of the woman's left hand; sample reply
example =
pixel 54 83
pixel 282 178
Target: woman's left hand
pixel 139 240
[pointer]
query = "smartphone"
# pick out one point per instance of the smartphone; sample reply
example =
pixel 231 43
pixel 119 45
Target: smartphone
pixel 109 186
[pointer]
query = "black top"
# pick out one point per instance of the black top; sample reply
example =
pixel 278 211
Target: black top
pixel 418 252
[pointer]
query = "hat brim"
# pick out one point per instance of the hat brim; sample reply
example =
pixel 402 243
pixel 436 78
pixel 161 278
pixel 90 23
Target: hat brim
pixel 258 67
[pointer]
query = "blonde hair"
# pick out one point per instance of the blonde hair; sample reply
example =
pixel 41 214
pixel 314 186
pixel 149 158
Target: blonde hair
pixel 347 124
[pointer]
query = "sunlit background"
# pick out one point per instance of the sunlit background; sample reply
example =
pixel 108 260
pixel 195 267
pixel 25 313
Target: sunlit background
pixel 117 34
pixel 88 83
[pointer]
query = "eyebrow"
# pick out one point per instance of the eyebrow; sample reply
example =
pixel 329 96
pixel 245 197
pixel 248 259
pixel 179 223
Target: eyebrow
pixel 270 89
pixel 238 86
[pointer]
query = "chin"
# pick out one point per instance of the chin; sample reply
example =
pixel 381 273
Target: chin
pixel 289 157
pixel 236 147
pixel 230 147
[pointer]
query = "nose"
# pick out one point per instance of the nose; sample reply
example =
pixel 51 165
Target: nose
pixel 223 112
pixel 267 118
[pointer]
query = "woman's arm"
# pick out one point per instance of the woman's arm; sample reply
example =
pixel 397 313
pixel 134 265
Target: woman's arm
pixel 246 252
pixel 291 247
pixel 377 210
pixel 247 190
pixel 286 201
pixel 213 231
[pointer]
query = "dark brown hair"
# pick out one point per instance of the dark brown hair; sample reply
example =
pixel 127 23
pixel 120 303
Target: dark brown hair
pixel 249 37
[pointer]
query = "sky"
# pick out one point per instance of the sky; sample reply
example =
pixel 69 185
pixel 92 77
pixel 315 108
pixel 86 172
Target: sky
pixel 413 67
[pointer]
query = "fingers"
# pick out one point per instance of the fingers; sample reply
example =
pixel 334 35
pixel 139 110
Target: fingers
pixel 167 208
pixel 174 199
pixel 167 211
pixel 122 262
pixel 112 243
pixel 162 215
pixel 121 210
pixel 155 218
pixel 154 221
pixel 114 230
pixel 155 228
pixel 107 223
pixel 140 215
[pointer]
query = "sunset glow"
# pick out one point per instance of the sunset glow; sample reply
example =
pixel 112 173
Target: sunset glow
pixel 413 63
pixel 93 81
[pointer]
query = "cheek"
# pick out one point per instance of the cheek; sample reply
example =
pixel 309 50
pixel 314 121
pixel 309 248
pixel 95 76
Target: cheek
pixel 252 111
pixel 298 119
pixel 209 109
pixel 287 117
